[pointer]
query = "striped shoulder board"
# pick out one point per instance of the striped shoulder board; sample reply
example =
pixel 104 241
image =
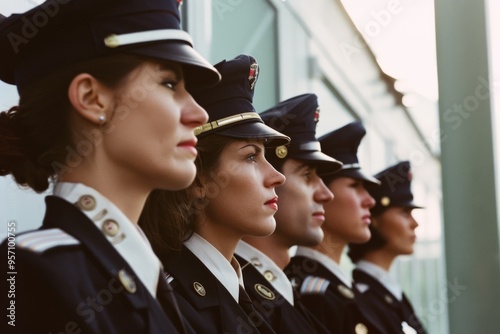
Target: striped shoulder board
pixel 314 285
pixel 41 240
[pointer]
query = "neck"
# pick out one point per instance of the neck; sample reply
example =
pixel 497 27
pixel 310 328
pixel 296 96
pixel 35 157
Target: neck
pixel 332 247
pixel 223 240
pixel 129 199
pixel 272 246
pixel 380 258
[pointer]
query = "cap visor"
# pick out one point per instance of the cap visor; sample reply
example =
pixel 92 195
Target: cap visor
pixel 411 205
pixel 198 72
pixel 325 164
pixel 359 174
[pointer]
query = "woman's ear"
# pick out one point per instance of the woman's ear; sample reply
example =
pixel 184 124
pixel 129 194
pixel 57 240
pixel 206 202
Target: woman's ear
pixel 90 98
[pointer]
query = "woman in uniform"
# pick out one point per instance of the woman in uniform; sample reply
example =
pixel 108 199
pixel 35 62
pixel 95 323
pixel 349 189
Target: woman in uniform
pixel 393 234
pixel 104 113
pixel 233 195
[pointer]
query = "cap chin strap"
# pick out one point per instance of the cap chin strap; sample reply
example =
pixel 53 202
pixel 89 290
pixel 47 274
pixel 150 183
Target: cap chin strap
pixel 349 166
pixel 114 41
pixel 226 121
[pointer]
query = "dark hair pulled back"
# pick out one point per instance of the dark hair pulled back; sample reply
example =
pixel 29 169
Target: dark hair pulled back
pixel 34 135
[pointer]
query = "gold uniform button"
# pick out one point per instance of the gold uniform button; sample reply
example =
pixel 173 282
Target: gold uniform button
pixel 361 329
pixel 264 291
pixel 110 227
pixel 127 281
pixel 385 201
pixel 281 151
pixel 388 299
pixel 200 289
pixel 345 291
pixel 111 41
pixel 268 274
pixel 86 203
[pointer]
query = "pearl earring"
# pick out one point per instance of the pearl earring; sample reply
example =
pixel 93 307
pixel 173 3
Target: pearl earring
pixel 101 119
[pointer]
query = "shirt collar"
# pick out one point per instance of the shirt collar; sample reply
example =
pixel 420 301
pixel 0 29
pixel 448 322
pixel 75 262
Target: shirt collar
pixel 126 237
pixel 267 268
pixel 331 265
pixel 382 276
pixel 228 273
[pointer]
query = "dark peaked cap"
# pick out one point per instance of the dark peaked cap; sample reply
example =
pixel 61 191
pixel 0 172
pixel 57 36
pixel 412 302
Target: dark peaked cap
pixel 59 33
pixel 297 117
pixel 395 188
pixel 342 144
pixel 229 104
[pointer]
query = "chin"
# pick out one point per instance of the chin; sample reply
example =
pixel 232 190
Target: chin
pixel 266 229
pixel 310 240
pixel 408 252
pixel 361 238
pixel 183 178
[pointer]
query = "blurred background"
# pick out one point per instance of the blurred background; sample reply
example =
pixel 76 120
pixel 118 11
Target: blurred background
pixel 422 76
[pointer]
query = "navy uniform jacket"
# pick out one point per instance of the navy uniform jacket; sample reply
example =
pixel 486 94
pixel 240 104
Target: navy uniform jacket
pixel 204 302
pixel 276 310
pixel 385 306
pixel 79 285
pixel 329 299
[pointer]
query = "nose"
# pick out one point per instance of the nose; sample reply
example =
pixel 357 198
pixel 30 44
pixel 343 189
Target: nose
pixel 413 223
pixel 368 200
pixel 192 114
pixel 274 178
pixel 322 194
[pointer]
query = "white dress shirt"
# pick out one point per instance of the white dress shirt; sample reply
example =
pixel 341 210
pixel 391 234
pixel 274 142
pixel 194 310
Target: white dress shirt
pixel 331 265
pixel 267 268
pixel 228 273
pixel 382 276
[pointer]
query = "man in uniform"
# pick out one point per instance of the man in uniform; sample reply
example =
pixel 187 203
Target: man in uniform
pixel 298 220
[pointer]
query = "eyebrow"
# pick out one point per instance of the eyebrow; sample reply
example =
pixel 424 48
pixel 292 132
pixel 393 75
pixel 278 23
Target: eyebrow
pixel 257 147
pixel 304 165
pixel 170 67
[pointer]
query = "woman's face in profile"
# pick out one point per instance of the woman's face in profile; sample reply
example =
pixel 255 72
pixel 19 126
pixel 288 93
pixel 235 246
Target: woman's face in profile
pixel 397 226
pixel 150 136
pixel 348 215
pixel 241 190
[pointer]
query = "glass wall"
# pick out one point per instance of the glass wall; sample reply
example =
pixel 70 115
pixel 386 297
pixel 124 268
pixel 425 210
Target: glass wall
pixel 248 27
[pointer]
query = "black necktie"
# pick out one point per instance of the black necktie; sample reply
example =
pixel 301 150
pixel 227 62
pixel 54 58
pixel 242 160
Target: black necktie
pixel 165 296
pixel 245 301
pixel 247 306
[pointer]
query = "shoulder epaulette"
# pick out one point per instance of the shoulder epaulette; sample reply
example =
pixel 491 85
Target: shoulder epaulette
pixel 314 285
pixel 41 240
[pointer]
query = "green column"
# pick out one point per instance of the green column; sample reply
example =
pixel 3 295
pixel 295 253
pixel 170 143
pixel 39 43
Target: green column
pixel 471 229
